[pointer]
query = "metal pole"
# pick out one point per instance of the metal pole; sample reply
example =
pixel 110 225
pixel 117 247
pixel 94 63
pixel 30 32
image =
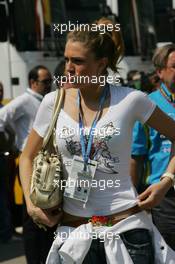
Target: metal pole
pixel 136 23
pixel 8 52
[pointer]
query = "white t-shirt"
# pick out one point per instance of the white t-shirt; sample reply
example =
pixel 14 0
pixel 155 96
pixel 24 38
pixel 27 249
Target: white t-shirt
pixel 111 149
pixel 19 114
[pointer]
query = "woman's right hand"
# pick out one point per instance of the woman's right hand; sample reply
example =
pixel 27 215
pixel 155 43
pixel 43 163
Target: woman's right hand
pixel 43 217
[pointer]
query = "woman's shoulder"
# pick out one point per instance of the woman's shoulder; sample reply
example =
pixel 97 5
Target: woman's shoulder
pixel 49 99
pixel 121 92
pixel 44 114
pixel 135 102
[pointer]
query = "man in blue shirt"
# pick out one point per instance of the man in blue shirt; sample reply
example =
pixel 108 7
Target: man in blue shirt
pixel 151 150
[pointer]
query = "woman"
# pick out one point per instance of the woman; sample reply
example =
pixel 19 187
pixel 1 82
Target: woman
pixel 93 133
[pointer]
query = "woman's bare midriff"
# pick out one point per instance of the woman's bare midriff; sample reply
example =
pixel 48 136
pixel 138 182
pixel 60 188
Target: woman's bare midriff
pixel 67 218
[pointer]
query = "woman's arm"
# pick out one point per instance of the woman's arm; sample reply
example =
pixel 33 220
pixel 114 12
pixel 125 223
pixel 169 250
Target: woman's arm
pixel 34 144
pixel 153 195
pixel 162 123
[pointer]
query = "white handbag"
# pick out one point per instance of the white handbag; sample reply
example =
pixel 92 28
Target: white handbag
pixel 45 189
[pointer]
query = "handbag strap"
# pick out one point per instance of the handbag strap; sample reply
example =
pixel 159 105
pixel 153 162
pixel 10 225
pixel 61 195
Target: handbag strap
pixel 56 110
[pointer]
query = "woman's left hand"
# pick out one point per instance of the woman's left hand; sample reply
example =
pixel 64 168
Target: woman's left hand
pixel 153 195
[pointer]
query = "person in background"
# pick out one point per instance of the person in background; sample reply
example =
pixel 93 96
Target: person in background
pixel 134 79
pixel 150 82
pixel 145 82
pixel 154 81
pixel 19 115
pixel 151 150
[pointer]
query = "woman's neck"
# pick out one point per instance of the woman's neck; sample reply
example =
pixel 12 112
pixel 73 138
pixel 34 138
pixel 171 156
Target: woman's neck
pixel 89 95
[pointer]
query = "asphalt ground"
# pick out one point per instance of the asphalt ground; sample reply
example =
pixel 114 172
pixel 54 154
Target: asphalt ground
pixel 12 252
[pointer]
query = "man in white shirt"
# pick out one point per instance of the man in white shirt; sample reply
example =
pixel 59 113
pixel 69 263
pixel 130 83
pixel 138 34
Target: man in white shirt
pixel 19 115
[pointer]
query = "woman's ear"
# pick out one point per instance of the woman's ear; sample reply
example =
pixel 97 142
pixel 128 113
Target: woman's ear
pixel 103 65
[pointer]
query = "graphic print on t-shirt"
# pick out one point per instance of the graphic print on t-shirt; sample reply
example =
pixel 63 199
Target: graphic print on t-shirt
pixel 99 151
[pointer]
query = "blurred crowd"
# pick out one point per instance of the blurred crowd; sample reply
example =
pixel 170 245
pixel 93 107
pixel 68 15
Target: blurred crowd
pixel 146 82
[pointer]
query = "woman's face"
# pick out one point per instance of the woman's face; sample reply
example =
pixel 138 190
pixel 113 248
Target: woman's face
pixel 81 65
